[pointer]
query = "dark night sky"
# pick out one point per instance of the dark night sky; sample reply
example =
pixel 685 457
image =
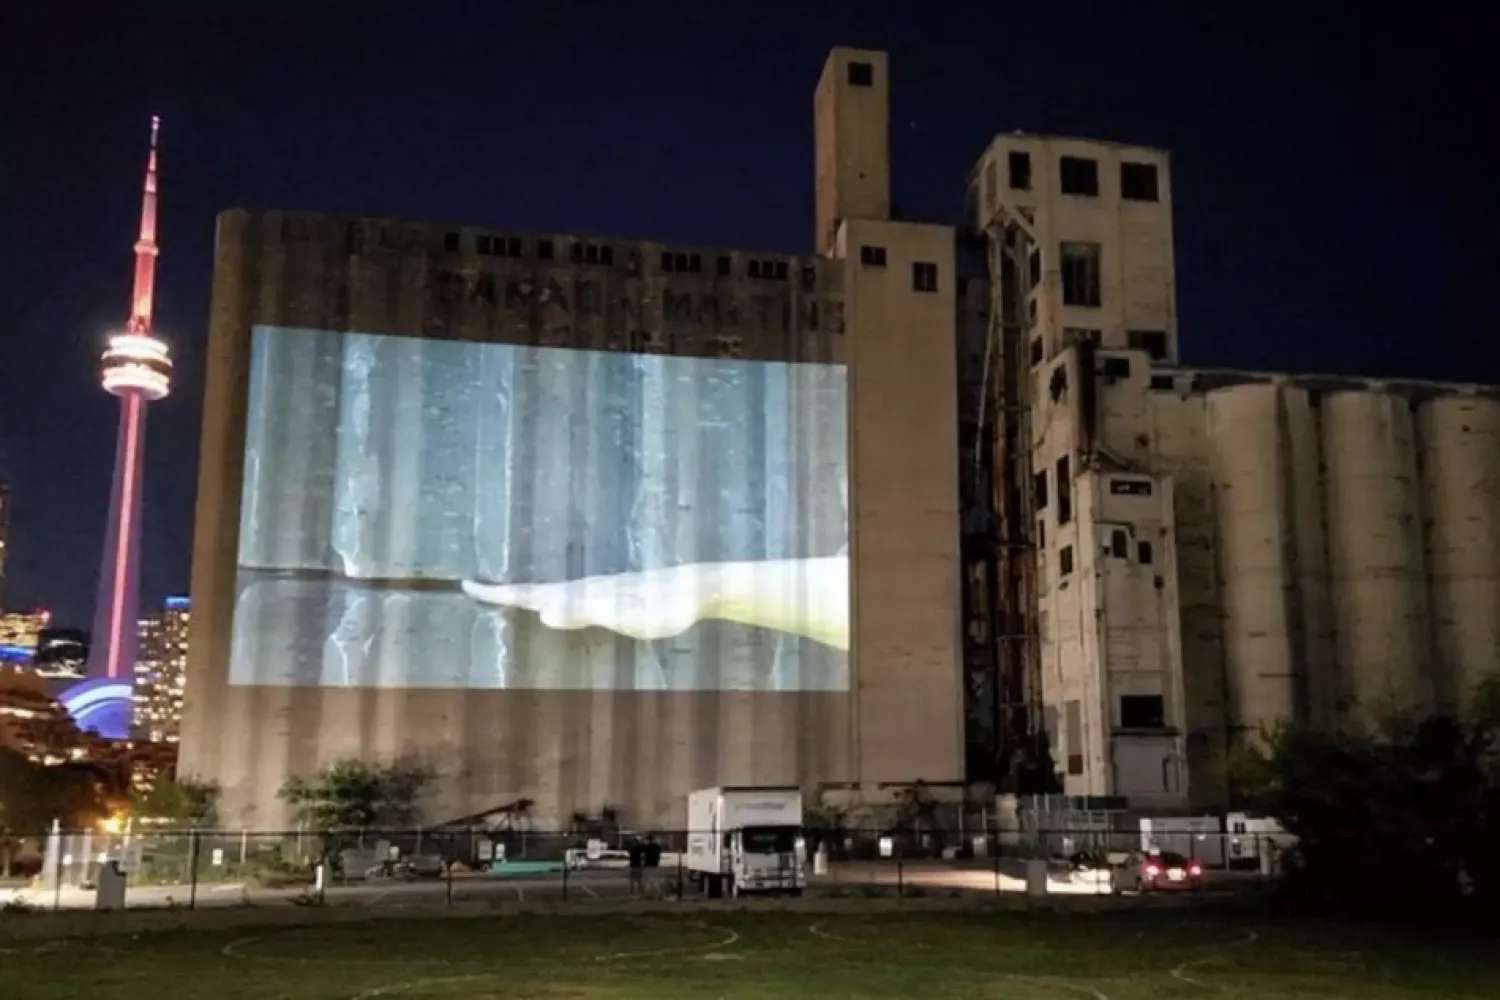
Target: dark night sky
pixel 1329 177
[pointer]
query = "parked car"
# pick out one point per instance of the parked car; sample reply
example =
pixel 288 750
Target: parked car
pixel 1162 872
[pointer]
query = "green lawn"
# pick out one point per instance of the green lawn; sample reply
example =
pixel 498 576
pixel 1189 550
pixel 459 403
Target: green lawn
pixel 728 956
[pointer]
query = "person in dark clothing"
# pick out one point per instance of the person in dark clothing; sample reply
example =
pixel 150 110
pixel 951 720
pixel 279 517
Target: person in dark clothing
pixel 652 853
pixel 637 854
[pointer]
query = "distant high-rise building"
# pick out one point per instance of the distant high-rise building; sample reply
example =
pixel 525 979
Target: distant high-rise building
pixel 21 632
pixel 159 671
pixel 4 529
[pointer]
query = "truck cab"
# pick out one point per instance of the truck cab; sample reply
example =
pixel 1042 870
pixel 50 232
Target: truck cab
pixel 744 841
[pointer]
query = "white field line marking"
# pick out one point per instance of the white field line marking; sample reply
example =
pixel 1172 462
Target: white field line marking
pixel 730 938
pixel 236 950
pixel 1180 972
pixel 520 894
pixel 585 887
pixel 1061 984
pixel 820 929
pixel 411 984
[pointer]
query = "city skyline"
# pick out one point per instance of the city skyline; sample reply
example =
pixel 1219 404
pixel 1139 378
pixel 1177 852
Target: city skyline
pixel 1281 267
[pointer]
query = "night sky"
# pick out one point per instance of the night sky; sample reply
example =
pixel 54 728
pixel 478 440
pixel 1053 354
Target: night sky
pixel 1334 209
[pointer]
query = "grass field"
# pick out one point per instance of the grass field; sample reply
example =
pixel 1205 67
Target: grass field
pixel 737 956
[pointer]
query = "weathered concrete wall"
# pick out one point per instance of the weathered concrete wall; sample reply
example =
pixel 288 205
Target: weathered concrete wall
pixel 639 750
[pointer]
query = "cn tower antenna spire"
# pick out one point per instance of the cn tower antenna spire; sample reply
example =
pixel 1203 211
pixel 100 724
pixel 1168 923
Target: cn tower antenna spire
pixel 137 368
pixel 143 297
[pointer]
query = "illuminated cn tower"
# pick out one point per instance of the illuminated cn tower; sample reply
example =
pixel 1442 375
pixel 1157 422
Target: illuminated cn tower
pixel 137 368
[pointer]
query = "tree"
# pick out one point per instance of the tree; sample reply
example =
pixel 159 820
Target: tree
pixel 351 794
pixel 182 801
pixel 1401 817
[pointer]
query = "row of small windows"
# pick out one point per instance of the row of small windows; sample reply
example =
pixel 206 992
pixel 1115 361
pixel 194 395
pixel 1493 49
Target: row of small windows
pixel 924 273
pixel 595 253
pixel 1119 548
pixel 1153 342
pixel 1078 175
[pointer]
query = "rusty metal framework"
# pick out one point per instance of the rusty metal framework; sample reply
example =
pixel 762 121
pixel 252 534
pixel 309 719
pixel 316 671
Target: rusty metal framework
pixel 1007 394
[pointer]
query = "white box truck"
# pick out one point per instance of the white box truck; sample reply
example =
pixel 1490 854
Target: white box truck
pixel 746 840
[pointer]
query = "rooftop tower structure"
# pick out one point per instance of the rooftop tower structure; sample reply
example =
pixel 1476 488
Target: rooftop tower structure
pixel 137 368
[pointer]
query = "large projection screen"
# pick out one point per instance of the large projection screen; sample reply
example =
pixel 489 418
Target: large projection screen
pixel 430 514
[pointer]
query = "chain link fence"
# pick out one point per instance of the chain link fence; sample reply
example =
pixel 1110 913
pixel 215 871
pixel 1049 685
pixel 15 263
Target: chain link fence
pixel 201 867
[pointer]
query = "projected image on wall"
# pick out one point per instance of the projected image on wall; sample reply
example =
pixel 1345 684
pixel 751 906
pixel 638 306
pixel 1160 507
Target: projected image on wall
pixel 439 514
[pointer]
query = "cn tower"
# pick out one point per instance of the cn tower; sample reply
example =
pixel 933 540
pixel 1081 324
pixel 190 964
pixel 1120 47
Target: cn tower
pixel 137 368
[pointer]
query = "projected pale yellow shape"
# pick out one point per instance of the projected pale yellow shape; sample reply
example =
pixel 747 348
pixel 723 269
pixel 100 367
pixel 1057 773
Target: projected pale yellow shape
pixel 806 597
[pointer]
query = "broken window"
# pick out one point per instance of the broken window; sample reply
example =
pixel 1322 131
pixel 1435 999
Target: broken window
pixel 1116 368
pixel 1020 171
pixel 872 256
pixel 1073 734
pixel 1065 560
pixel 450 242
pixel 1153 342
pixel 544 249
pixel 513 249
pixel 1130 487
pixel 1039 490
pixel 1079 176
pixel 1138 182
pixel 1144 555
pixel 1037 351
pixel 924 276
pixel 483 246
pixel 1081 279
pixel 724 267
pixel 1064 491
pixel 1034 268
pixel 1041 532
pixel 1143 711
pixel 1119 544
pixel 861 74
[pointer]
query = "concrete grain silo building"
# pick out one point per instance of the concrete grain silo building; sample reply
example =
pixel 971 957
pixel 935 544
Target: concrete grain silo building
pixel 1059 547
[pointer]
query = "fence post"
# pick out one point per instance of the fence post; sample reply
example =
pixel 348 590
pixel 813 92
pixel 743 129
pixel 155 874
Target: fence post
pixel 193 851
pixel 244 846
pixel 997 870
pixel 448 884
pixel 565 875
pixel 900 870
pixel 58 866
pixel 679 876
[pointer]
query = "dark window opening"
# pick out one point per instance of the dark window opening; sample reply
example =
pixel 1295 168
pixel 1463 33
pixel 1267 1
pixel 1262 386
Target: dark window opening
pixel 484 246
pixel 1037 351
pixel 1143 711
pixel 513 247
pixel 1138 182
pixel 1081 278
pixel 590 254
pixel 809 278
pixel 924 276
pixel 1162 383
pixel 1020 171
pixel 872 256
pixel 1130 487
pixel 666 261
pixel 1153 342
pixel 1079 176
pixel 1143 553
pixel 1116 368
pixel 450 242
pixel 544 249
pixel 354 238
pixel 607 255
pixel 724 267
pixel 1119 544
pixel 1039 490
pixel 1065 560
pixel 781 270
pixel 1034 269
pixel 753 269
pixel 1064 491
pixel 861 74
pixel 1073 734
pixel 695 263
pixel 575 253
pixel 1041 533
